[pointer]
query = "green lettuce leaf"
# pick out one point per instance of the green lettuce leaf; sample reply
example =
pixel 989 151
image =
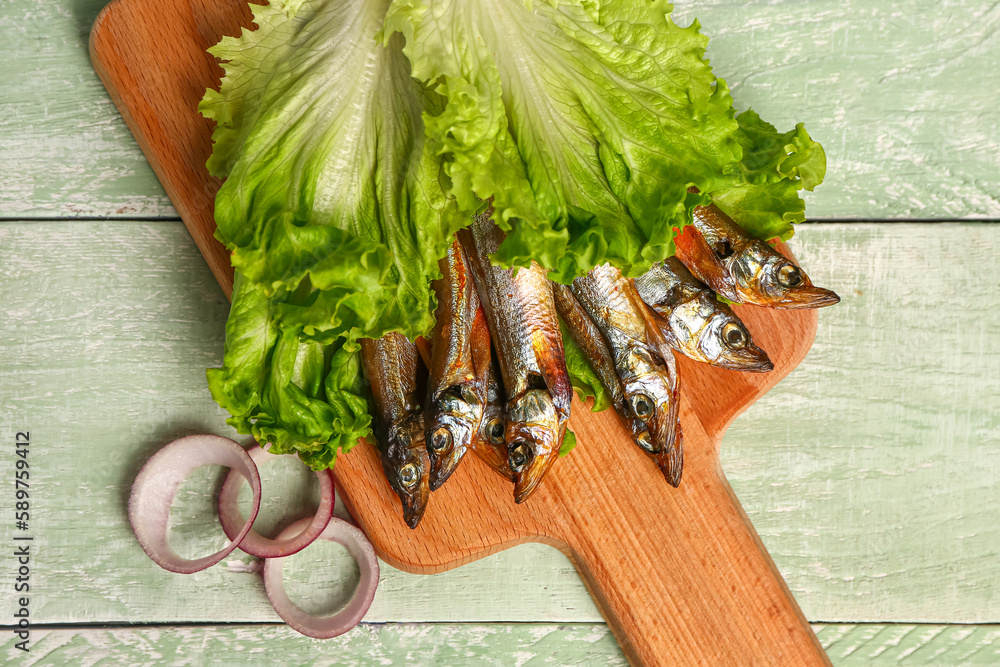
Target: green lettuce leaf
pixel 302 396
pixel 568 443
pixel 585 122
pixel 763 189
pixel 328 177
pixel 356 136
pixel 582 376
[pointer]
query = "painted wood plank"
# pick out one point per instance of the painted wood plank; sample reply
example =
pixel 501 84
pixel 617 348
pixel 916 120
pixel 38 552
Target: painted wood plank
pixel 908 644
pixel 891 90
pixel 869 472
pixel 471 644
pixel 368 645
pixel 900 93
pixel 64 149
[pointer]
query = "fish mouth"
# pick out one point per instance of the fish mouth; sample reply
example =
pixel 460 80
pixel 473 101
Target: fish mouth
pixel 526 479
pixel 452 420
pixel 671 460
pixel 723 341
pixel 534 432
pixel 807 296
pixel 489 444
pixel 666 448
pixel 413 508
pixel 447 442
pixel 653 420
pixel 727 342
pixel 747 360
pixel 414 500
pixel 410 459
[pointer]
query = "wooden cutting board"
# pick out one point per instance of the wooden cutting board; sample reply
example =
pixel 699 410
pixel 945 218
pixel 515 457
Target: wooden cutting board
pixel 679 574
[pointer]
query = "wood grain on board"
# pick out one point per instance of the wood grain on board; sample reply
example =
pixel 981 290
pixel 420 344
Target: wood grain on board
pixel 679 575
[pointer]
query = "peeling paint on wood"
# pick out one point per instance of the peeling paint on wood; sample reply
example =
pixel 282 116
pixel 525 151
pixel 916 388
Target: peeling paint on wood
pixel 864 645
pixel 507 645
pixel 899 93
pixel 64 149
pixel 467 644
pixel 883 447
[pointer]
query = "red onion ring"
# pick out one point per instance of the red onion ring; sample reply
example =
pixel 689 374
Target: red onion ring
pixel 156 485
pixel 326 627
pixel 253 542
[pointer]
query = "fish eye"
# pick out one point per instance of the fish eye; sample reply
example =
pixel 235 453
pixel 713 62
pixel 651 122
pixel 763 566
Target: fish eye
pixel 789 276
pixel 404 439
pixel 494 431
pixel 441 439
pixel 646 442
pixel 468 395
pixel 519 456
pixel 734 335
pixel 642 406
pixel 408 474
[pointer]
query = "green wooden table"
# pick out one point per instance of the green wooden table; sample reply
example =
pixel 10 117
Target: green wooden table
pixel 870 473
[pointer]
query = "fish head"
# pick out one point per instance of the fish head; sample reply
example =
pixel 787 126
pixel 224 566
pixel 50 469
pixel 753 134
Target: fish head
pixel 452 422
pixel 723 340
pixel 534 432
pixel 493 429
pixel 651 412
pixel 768 278
pixel 490 444
pixel 407 468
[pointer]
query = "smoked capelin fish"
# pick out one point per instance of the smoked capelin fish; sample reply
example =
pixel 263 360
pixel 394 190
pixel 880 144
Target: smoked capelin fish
pixel 488 441
pixel 648 378
pixel 453 410
pixel 695 323
pixel 744 269
pixel 489 444
pixel 524 327
pixel 391 366
pixel 590 340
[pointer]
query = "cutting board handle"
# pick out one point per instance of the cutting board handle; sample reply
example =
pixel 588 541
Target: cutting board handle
pixel 695 586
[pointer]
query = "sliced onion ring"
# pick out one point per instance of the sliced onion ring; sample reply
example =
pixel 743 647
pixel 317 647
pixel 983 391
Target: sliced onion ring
pixel 156 485
pixel 253 542
pixel 325 627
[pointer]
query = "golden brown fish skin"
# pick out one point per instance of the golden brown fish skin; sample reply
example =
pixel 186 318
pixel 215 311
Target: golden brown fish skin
pixel 489 443
pixel 454 408
pixel 586 334
pixel 591 342
pixel 525 329
pixel 425 349
pixel 743 269
pixel 671 459
pixel 695 322
pixel 648 377
pixel 391 365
